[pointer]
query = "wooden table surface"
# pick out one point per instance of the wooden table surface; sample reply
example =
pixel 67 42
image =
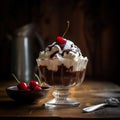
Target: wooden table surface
pixel 90 92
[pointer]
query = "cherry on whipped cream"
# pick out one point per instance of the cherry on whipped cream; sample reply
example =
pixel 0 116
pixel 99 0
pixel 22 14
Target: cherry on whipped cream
pixel 60 40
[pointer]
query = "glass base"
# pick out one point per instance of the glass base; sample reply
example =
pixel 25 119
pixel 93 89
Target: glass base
pixel 61 99
pixel 62 103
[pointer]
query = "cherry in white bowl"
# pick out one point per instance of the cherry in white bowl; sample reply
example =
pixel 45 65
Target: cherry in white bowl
pixel 26 96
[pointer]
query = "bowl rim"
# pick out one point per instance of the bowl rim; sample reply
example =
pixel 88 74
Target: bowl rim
pixel 14 88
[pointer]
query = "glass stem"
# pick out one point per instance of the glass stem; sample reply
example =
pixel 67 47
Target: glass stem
pixel 61 94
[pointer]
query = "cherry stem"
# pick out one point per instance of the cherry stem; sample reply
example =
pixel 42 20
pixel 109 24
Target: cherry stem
pixel 68 25
pixel 37 78
pixel 15 78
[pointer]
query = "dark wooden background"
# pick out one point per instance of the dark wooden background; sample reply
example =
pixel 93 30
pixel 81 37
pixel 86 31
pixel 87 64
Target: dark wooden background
pixel 93 27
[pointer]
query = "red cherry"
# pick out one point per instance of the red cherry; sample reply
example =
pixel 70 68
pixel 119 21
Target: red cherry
pixel 28 87
pixel 60 40
pixel 37 88
pixel 33 84
pixel 23 86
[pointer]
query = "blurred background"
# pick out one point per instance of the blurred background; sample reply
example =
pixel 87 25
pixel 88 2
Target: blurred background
pixel 93 28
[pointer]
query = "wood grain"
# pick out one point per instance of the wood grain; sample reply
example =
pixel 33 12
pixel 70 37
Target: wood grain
pixel 89 93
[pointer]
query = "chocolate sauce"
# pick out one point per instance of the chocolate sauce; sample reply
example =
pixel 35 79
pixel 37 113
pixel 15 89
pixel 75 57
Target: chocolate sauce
pixel 62 77
pixel 52 55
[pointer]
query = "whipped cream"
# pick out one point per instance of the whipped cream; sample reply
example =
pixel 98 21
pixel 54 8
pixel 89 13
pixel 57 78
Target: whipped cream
pixel 67 54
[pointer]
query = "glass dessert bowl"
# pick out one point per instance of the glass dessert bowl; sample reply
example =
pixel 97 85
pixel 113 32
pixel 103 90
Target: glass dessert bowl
pixel 62 66
pixel 61 80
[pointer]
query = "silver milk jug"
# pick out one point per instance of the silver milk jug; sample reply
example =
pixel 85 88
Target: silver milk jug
pixel 26 45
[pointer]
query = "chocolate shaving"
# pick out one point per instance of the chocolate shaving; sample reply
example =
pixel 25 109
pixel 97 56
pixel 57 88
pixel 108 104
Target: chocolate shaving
pixel 52 55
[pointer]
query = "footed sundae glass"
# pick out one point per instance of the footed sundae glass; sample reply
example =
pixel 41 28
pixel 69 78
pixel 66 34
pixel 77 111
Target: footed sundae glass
pixel 61 81
pixel 62 66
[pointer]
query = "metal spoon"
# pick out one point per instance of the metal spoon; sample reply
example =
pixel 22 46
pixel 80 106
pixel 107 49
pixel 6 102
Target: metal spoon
pixel 109 101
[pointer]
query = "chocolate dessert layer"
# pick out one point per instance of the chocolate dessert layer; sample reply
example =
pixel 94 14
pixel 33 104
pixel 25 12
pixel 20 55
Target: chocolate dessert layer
pixel 62 77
